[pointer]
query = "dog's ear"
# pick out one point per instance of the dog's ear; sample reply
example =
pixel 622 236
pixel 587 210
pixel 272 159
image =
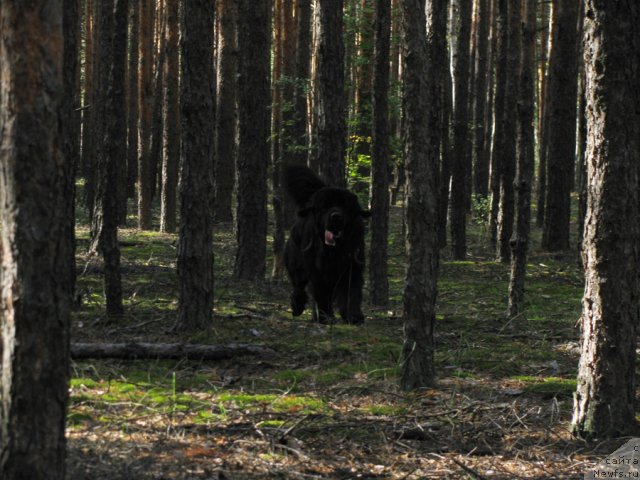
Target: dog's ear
pixel 365 213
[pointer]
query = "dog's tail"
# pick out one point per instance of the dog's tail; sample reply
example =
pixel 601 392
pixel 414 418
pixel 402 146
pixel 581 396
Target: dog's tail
pixel 301 183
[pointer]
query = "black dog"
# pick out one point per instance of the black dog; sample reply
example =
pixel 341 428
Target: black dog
pixel 325 248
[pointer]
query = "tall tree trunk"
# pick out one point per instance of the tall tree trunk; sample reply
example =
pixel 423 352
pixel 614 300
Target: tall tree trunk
pixel 582 157
pixel 421 102
pixel 145 112
pixel 91 113
pixel 500 119
pixel 70 128
pixel 330 122
pixel 479 99
pixel 444 176
pixel 35 274
pixel 543 109
pixel 157 116
pixel 563 85
pixel 303 64
pixel 197 99
pixel 489 119
pixel 460 133
pixel 253 124
pixel 364 79
pixel 225 167
pixel 508 153
pixel 134 94
pixel 525 158
pixel 111 143
pixel 604 404
pixel 380 160
pixel 171 120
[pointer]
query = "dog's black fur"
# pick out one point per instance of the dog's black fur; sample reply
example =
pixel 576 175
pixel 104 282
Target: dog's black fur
pixel 325 248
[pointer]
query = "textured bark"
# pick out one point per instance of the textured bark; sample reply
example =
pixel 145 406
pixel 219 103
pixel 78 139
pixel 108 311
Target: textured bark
pixel 171 120
pixel 157 113
pixel 582 157
pixel 479 99
pixel 303 64
pixel 35 274
pixel 111 144
pixel 507 154
pixel 181 351
pixel 500 119
pixel 253 124
pixel 460 133
pixel 489 118
pixel 543 119
pixel 444 186
pixel 330 129
pixel 132 112
pixel 197 92
pixel 605 397
pixel 364 77
pixel 145 112
pixel 91 111
pixel 70 129
pixel 563 85
pixel 225 167
pixel 420 107
pixel 525 157
pixel 380 160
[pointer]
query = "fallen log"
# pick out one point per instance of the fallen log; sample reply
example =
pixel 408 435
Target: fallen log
pixel 135 350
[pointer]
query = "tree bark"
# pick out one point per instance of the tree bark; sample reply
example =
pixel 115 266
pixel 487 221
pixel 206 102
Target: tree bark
pixel 35 274
pixel 171 120
pixel 420 109
pixel 134 350
pixel 546 37
pixel 132 112
pixel 460 133
pixel 480 99
pixel 111 144
pixel 303 64
pixel 330 129
pixel 507 154
pixel 253 124
pixel 225 166
pixel 145 112
pixel 500 119
pixel 563 86
pixel 197 98
pixel 525 159
pixel 380 160
pixel 605 398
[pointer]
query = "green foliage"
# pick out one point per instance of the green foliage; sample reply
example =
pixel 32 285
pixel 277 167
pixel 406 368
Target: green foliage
pixel 480 209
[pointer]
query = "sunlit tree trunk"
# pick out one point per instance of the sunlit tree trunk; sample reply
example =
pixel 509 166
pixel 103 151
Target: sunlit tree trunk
pixel 145 112
pixel 604 404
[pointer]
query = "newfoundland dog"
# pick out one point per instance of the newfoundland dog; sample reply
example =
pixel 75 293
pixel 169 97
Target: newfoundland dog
pixel 325 249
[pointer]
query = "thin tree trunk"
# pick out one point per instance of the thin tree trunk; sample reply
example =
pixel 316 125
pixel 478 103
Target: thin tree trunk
pixel 563 86
pixel 500 120
pixel 460 134
pixel 543 100
pixel 420 103
pixel 35 274
pixel 197 99
pixel 604 404
pixel 145 112
pixel 330 122
pixel 157 115
pixel 111 141
pixel 225 167
pixel 378 272
pixel 134 94
pixel 508 153
pixel 479 99
pixel 525 159
pixel 303 64
pixel 253 124
pixel 171 120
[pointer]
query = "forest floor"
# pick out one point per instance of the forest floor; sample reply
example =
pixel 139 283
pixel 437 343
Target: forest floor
pixel 326 403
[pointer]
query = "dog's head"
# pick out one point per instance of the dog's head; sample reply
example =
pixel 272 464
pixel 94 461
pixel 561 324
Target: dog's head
pixel 336 216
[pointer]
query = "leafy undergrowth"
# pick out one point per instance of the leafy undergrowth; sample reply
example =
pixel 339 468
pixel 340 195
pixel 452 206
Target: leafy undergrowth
pixel 326 404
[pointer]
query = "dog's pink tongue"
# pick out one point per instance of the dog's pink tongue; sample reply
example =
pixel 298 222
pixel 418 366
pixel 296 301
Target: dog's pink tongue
pixel 328 238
